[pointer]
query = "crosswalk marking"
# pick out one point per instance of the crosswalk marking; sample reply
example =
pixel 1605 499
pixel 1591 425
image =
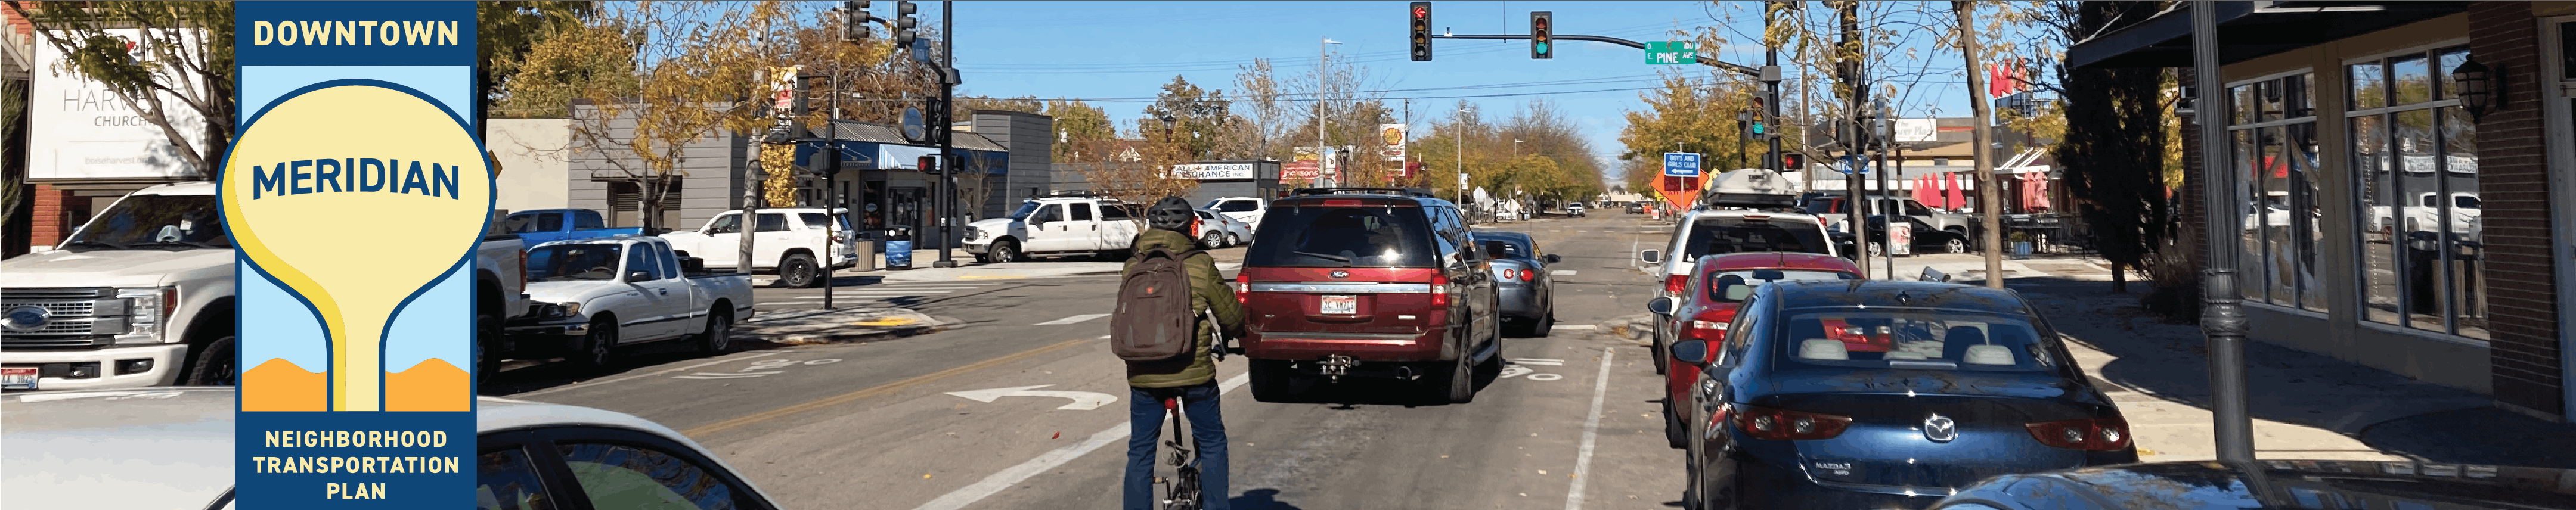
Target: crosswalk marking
pixel 1573 327
pixel 1562 272
pixel 1071 320
pixel 1538 361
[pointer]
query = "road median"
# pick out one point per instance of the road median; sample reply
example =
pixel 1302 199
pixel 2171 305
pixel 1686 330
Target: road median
pixel 846 325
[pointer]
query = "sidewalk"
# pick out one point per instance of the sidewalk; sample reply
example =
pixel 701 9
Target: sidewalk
pixel 2304 405
pixel 846 325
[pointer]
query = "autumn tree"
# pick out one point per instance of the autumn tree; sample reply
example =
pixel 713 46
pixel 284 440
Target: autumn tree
pixel 1136 182
pixel 1265 106
pixel 2115 137
pixel 13 120
pixel 1079 127
pixel 1201 118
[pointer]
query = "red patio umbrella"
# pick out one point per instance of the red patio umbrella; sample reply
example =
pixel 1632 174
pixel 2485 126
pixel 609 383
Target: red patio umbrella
pixel 1950 185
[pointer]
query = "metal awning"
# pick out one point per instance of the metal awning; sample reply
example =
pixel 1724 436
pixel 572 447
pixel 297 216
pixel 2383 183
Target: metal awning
pixel 2248 29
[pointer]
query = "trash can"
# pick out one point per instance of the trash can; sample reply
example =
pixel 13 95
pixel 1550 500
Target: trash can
pixel 898 250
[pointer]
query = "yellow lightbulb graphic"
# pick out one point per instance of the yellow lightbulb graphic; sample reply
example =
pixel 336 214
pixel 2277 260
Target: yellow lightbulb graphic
pixel 356 197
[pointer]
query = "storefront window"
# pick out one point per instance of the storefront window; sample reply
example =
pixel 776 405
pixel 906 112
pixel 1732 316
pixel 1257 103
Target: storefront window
pixel 2416 167
pixel 2276 152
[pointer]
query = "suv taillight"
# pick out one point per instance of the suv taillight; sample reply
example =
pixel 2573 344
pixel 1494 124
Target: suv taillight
pixel 1674 284
pixel 1439 290
pixel 2100 434
pixel 523 270
pixel 1529 275
pixel 1767 423
pixel 1243 288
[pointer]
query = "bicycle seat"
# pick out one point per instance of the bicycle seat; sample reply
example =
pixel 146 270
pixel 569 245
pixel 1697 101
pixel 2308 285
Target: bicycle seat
pixel 1171 403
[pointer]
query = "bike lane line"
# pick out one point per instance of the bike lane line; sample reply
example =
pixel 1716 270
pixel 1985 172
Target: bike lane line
pixel 712 428
pixel 1591 433
pixel 1013 475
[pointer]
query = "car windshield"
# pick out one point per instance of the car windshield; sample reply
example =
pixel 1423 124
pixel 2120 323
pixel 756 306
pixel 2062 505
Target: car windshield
pixel 1026 208
pixel 154 222
pixel 1728 235
pixel 1882 338
pixel 1342 237
pixel 1734 286
pixel 1503 248
pixel 573 262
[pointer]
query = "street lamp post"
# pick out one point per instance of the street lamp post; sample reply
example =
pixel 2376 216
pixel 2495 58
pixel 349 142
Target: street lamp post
pixel 1460 135
pixel 1324 51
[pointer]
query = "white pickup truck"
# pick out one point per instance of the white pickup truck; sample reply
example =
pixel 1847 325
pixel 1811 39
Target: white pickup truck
pixel 789 249
pixel 596 295
pixel 1053 226
pixel 142 295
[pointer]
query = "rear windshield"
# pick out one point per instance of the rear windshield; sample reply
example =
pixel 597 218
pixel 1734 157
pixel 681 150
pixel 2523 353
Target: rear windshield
pixel 1734 286
pixel 1913 339
pixel 1728 235
pixel 1342 237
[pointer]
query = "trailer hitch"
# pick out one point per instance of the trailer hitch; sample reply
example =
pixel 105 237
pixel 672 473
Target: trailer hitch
pixel 1335 366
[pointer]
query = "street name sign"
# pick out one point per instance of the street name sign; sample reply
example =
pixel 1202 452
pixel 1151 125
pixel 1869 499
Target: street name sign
pixel 1672 52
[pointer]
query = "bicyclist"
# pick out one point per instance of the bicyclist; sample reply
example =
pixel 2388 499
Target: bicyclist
pixel 1191 378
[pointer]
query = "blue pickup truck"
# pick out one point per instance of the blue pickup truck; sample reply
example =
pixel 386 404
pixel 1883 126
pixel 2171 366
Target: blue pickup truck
pixel 540 226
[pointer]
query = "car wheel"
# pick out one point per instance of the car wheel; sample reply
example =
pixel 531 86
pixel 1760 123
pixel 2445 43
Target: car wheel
pixel 486 331
pixel 1456 383
pixel 1232 240
pixel 1877 251
pixel 1274 381
pixel 797 271
pixel 1005 251
pixel 1658 352
pixel 1545 325
pixel 1674 432
pixel 215 364
pixel 1955 245
pixel 1212 240
pixel 597 346
pixel 719 334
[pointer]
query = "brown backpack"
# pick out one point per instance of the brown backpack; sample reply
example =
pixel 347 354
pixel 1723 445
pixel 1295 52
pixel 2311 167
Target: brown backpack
pixel 1154 320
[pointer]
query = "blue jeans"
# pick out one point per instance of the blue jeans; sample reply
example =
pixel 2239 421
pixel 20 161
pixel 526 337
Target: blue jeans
pixel 1145 415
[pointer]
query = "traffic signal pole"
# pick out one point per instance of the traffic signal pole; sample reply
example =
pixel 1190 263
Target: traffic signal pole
pixel 1703 59
pixel 946 189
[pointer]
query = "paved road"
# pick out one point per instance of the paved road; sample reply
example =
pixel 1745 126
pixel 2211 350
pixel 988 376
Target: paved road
pixel 873 425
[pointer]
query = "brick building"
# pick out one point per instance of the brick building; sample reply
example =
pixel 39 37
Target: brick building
pixel 2365 149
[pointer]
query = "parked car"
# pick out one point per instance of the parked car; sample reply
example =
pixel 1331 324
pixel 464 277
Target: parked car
pixel 1835 207
pixel 1245 209
pixel 530 454
pixel 1925 238
pixel 790 249
pixel 599 295
pixel 2273 484
pixel 1706 231
pixel 1574 209
pixel 1220 231
pixel 1368 283
pixel 1637 208
pixel 1069 225
pixel 1877 394
pixel 1528 287
pixel 1718 283
pixel 143 295
pixel 540 226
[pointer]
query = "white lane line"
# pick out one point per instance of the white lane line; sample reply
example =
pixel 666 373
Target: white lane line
pixel 636 376
pixel 1591 433
pixel 1537 361
pixel 1562 272
pixel 1574 327
pixel 785 304
pixel 1013 475
pixel 1073 319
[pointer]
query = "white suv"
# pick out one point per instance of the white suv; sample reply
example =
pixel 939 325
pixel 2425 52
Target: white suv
pixel 1053 226
pixel 1708 230
pixel 789 249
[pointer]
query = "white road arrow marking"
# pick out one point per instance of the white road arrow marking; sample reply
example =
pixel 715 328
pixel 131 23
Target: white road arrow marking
pixel 1514 371
pixel 1082 400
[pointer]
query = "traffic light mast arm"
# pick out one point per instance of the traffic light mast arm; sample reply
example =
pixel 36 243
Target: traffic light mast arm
pixel 1703 59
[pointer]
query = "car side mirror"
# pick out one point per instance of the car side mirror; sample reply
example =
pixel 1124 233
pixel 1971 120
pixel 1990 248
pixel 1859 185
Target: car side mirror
pixel 639 276
pixel 1693 351
pixel 1661 306
pixel 1651 256
pixel 1551 259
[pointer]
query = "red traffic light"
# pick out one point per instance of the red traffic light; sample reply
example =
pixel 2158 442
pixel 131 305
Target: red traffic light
pixel 1420 11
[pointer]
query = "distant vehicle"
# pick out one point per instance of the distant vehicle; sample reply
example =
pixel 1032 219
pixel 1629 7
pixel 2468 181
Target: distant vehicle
pixel 1368 283
pixel 2272 484
pixel 1245 209
pixel 529 454
pixel 1220 231
pixel 790 249
pixel 1068 225
pixel 1834 207
pixel 1886 394
pixel 1707 306
pixel 600 295
pixel 1637 208
pixel 1528 287
pixel 1574 209
pixel 1926 239
pixel 1711 232
pixel 540 226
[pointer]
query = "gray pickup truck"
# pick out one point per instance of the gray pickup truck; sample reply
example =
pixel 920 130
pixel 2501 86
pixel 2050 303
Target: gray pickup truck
pixel 1834 208
pixel 597 295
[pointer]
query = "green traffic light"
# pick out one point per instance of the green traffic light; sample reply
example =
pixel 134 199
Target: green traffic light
pixel 1542 47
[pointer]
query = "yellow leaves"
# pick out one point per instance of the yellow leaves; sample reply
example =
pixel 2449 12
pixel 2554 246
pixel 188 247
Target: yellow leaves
pixel 779 190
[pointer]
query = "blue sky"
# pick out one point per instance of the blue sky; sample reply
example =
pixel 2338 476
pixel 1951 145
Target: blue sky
pixel 1129 49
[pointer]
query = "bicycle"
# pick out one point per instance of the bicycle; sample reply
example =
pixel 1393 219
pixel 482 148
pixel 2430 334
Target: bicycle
pixel 1183 491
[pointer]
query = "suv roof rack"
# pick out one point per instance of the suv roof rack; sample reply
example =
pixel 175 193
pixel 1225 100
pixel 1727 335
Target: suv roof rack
pixel 1401 192
pixel 1072 193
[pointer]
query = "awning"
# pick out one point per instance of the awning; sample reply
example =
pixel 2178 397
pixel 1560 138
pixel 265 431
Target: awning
pixel 2247 30
pixel 903 157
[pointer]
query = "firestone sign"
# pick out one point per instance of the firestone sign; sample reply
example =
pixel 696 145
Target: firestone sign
pixel 1212 171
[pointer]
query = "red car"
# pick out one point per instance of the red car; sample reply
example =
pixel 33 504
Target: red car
pixel 1718 283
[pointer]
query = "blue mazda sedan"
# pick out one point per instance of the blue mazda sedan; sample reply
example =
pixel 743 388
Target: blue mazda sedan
pixel 1872 394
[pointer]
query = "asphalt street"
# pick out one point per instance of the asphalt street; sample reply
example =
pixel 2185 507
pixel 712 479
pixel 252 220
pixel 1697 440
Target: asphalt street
pixel 1022 405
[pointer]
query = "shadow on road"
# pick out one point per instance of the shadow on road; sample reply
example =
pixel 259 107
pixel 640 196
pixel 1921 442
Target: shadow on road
pixel 1260 499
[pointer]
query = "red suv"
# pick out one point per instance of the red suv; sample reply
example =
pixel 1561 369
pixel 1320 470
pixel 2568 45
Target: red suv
pixel 1718 284
pixel 1368 283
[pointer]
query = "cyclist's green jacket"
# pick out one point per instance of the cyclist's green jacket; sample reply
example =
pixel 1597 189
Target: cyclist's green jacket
pixel 1208 293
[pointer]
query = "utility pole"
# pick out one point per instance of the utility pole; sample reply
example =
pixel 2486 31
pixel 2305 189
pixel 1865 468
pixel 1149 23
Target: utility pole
pixel 1879 140
pixel 1856 201
pixel 1989 203
pixel 947 188
pixel 1460 134
pixel 1323 50
pixel 2222 318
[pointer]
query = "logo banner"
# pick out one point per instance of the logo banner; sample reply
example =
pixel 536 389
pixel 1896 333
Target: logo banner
pixel 356 388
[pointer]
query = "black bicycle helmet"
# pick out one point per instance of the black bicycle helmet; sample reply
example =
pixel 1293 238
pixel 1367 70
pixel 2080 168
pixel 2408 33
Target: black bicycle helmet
pixel 1171 213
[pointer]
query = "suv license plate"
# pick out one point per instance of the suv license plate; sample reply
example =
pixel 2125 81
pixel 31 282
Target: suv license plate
pixel 1341 305
pixel 18 378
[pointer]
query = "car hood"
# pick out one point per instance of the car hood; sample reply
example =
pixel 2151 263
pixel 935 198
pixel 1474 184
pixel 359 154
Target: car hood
pixel 992 224
pixel 111 268
pixel 573 291
pixel 2281 483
